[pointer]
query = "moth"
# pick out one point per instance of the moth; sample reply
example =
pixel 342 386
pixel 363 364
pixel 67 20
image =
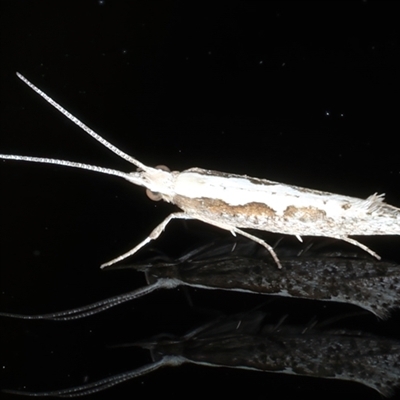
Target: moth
pixel 233 202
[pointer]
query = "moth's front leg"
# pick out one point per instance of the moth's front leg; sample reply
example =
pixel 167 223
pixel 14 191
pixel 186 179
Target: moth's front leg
pixel 153 235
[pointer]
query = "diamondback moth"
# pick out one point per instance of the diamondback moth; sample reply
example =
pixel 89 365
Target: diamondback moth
pixel 232 202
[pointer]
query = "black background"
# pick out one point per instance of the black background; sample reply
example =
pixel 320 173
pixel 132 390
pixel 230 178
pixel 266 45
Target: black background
pixel 304 93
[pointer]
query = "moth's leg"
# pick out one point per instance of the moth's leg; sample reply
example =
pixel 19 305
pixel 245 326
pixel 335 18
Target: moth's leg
pixel 360 245
pixel 261 242
pixel 153 235
pixel 234 230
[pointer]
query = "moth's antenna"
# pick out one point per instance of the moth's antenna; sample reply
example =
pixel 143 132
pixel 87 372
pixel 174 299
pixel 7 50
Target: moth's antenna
pixel 99 306
pixel 72 164
pixel 133 177
pixel 81 125
pixel 95 387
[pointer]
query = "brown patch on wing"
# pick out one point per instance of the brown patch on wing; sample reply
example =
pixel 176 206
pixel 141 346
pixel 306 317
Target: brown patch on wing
pixel 219 207
pixel 304 214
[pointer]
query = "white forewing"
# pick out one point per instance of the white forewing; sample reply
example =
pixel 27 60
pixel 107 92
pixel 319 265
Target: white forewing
pixel 238 191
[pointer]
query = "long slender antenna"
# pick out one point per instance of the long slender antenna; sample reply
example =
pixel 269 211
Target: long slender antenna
pixel 89 167
pixel 81 125
pixel 95 387
pixel 99 306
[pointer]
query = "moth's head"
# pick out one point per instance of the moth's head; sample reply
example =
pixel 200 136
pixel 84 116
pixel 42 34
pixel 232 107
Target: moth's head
pixel 157 196
pixel 159 182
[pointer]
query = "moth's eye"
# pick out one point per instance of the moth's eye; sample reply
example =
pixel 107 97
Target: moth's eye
pixel 154 195
pixel 163 167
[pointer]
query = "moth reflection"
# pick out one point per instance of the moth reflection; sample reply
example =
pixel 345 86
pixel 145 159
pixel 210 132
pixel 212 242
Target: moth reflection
pixel 245 341
pixel 242 267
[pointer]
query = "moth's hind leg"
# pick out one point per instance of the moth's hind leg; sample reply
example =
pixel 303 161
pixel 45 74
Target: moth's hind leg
pixel 153 235
pixel 261 242
pixel 360 245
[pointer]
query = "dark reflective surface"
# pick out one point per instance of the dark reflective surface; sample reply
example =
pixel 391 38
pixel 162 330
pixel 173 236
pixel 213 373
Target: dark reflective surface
pixel 245 341
pixel 312 326
pixel 240 265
